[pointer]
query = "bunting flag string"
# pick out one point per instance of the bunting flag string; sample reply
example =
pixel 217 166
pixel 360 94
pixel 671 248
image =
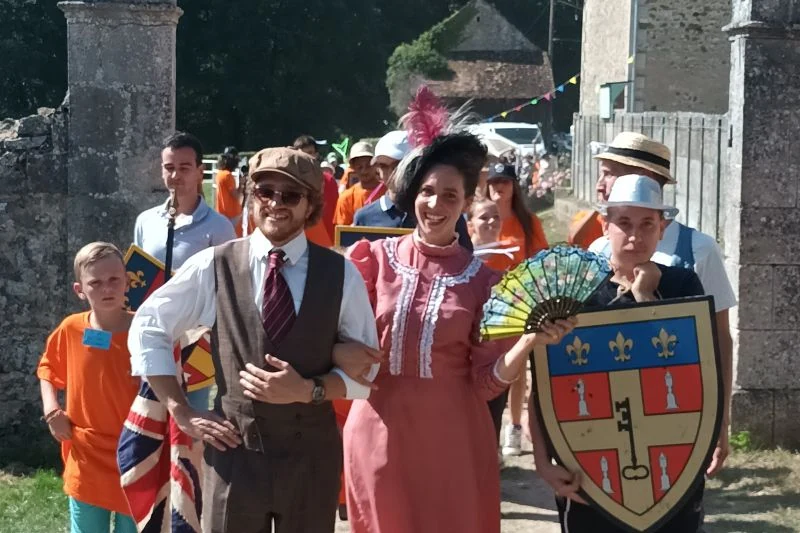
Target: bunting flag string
pixel 548 96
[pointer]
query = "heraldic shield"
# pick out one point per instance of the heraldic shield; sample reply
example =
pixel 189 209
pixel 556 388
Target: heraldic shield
pixel 632 399
pixel 145 275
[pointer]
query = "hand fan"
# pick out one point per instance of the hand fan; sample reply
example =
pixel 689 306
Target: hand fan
pixel 554 284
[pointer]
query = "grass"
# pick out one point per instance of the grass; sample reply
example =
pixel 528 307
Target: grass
pixel 757 492
pixel 32 502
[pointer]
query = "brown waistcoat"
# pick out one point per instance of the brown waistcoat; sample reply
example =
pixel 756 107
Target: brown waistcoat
pixel 238 338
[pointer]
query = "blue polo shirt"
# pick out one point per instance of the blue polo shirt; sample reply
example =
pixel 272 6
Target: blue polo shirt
pixel 384 214
pixel 200 230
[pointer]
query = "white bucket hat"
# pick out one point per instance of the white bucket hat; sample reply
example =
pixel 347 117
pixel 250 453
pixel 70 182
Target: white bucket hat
pixel 393 145
pixel 637 191
pixel 361 149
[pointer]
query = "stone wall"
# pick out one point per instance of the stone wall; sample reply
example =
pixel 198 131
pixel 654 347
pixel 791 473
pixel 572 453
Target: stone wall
pixel 34 264
pixel 605 48
pixel 763 201
pixel 682 56
pixel 74 175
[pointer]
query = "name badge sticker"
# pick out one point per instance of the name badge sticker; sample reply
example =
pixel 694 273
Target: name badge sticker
pixel 97 338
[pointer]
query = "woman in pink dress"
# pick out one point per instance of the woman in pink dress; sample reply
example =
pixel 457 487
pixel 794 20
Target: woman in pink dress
pixel 420 454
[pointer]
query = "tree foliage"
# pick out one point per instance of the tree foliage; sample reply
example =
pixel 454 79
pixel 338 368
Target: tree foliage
pixel 256 73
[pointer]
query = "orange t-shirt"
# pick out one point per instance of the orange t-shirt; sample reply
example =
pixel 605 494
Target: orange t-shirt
pixel 99 393
pixel 345 182
pixel 226 203
pixel 585 228
pixel 349 202
pixel 511 232
pixel 318 234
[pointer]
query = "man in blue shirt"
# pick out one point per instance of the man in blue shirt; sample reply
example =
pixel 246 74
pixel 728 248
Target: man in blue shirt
pixel 197 226
pixel 389 151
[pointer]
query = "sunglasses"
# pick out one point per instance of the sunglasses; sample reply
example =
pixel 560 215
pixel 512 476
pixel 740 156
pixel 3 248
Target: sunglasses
pixel 287 198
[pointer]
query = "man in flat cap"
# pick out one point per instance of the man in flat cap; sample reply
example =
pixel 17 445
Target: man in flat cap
pixel 277 305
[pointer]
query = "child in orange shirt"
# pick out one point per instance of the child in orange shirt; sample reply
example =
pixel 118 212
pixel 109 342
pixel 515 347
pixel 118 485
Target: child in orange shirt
pixel 484 228
pixel 87 355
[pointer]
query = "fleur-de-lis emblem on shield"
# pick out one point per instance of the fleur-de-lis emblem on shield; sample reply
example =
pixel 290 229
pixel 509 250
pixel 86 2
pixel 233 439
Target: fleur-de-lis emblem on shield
pixel 136 279
pixel 580 350
pixel 665 343
pixel 621 345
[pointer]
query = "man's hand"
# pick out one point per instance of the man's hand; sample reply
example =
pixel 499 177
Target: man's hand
pixel 207 427
pixel 563 482
pixel 645 282
pixel 356 359
pixel 720 452
pixel 283 386
pixel 60 426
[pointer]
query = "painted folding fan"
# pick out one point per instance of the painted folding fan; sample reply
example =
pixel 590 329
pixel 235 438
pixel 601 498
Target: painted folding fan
pixel 552 285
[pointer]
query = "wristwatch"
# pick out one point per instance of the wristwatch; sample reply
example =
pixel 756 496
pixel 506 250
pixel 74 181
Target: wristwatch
pixel 318 392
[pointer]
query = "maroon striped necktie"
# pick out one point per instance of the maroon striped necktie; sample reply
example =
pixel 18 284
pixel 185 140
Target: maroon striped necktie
pixel 277 310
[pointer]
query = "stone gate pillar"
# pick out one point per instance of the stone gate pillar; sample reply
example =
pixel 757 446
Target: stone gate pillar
pixel 121 77
pixel 762 234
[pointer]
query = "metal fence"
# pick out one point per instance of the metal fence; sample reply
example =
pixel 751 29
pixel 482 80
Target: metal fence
pixel 699 145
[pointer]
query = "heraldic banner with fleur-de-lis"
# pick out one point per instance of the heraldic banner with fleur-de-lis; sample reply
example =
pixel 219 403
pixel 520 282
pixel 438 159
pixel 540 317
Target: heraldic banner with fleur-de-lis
pixel 632 398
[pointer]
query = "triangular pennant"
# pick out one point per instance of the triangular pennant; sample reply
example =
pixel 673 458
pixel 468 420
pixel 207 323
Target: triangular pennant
pixel 548 96
pixel 560 88
pixel 573 80
pixel 630 60
pixel 504 114
pixel 518 108
pixel 342 148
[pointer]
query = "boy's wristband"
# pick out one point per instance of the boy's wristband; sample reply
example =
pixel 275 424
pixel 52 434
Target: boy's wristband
pixel 51 415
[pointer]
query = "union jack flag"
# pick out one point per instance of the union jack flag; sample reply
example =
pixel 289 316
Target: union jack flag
pixel 159 467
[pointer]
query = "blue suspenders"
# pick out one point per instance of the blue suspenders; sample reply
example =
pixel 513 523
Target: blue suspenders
pixel 684 250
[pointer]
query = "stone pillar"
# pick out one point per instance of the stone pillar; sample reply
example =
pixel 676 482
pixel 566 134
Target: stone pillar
pixel 121 76
pixel 762 234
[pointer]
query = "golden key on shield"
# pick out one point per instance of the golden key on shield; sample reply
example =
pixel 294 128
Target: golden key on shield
pixel 634 471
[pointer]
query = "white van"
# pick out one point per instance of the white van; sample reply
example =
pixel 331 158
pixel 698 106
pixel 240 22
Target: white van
pixel 527 138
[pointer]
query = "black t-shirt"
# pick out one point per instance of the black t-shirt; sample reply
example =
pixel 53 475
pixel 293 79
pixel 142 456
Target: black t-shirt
pixel 676 282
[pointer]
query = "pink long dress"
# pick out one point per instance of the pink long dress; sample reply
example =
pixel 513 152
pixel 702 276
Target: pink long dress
pixel 421 454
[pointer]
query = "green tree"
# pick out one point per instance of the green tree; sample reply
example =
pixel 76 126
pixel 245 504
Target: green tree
pixel 33 56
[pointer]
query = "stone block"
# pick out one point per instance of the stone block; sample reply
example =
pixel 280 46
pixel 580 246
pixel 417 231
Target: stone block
pixel 34 280
pixel 12 174
pixel 755 296
pixel 769 236
pixel 19 392
pixel 787 421
pixel 786 310
pixel 93 172
pixel 768 360
pixel 100 218
pixel 25 143
pixel 149 51
pixel 99 118
pixel 8 128
pixel 34 125
pixel 47 173
pixel 754 411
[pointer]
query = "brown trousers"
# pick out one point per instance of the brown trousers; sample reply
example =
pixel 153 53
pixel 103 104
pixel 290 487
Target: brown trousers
pixel 292 487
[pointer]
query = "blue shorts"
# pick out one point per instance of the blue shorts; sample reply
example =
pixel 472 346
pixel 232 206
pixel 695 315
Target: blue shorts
pixel 86 518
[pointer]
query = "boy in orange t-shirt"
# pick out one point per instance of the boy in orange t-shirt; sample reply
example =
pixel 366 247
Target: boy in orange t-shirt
pixel 87 355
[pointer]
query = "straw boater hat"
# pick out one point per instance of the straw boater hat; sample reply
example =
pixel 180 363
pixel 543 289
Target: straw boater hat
pixel 640 151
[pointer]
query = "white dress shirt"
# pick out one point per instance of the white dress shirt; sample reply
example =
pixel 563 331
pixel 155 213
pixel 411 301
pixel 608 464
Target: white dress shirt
pixel 189 301
pixel 708 262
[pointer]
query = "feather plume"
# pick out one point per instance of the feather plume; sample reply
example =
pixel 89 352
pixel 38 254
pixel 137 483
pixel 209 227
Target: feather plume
pixel 426 119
